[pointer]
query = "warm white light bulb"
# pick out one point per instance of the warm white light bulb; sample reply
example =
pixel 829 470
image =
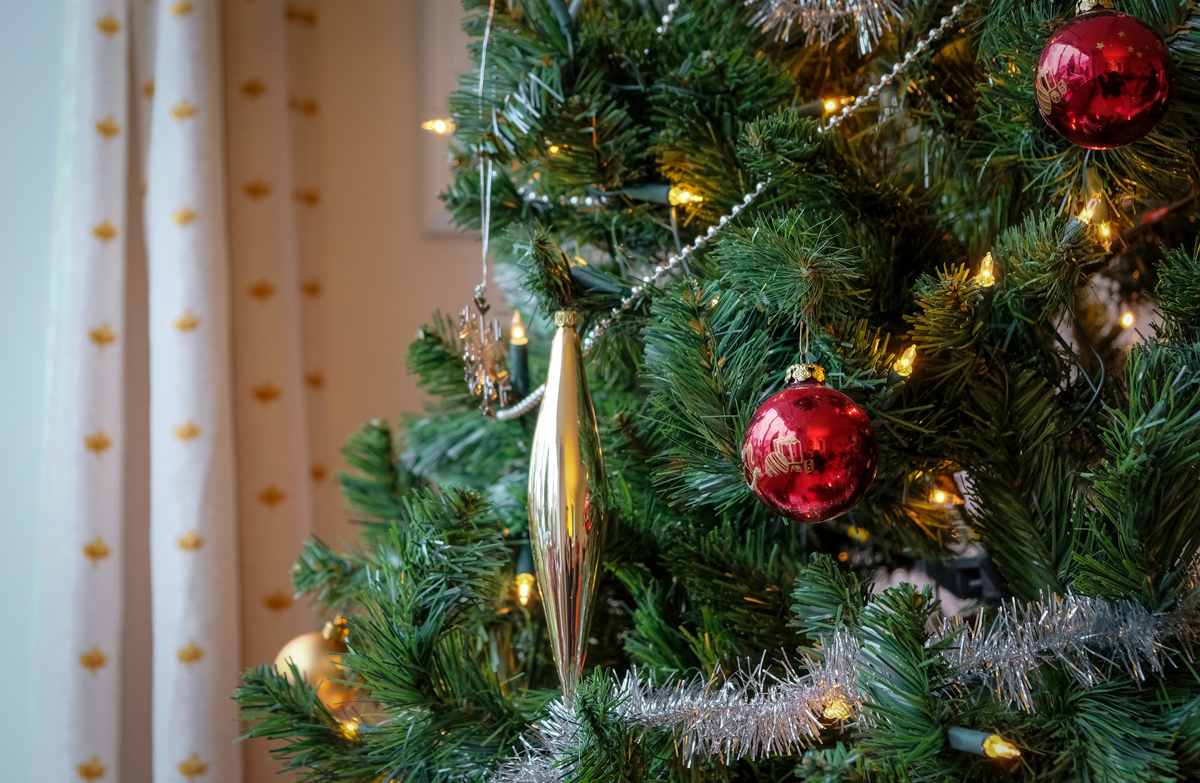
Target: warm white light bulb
pixel 837 709
pixel 985 277
pixel 524 588
pixel 1127 319
pixel 997 747
pixel 678 194
pixel 904 365
pixel 518 330
pixel 438 126
pixel 831 105
pixel 1085 216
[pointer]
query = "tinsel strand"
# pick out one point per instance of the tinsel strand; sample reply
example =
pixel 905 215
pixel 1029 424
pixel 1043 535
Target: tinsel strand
pixel 750 713
pixel 753 713
pixel 1068 629
pixel 824 20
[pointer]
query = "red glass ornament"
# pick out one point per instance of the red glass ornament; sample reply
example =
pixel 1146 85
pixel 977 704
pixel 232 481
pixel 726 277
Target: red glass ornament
pixel 1104 80
pixel 810 452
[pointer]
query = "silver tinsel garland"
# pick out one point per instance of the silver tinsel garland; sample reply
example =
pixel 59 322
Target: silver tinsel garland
pixel 1073 630
pixel 824 20
pixel 753 713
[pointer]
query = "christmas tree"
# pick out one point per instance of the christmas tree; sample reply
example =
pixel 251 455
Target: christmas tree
pixel 971 229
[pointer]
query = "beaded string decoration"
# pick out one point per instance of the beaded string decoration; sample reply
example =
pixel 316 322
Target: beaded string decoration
pixel 675 260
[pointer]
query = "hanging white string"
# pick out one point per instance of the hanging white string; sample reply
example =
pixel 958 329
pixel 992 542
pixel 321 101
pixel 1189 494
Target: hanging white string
pixel 480 339
pixel 487 34
pixel 673 262
pixel 485 195
pixel 485 177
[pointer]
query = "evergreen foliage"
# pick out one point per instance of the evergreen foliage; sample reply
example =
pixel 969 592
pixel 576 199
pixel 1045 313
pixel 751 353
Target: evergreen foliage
pixel 1076 442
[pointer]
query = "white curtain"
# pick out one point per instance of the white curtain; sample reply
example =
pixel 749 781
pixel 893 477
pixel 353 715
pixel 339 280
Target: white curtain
pixel 188 147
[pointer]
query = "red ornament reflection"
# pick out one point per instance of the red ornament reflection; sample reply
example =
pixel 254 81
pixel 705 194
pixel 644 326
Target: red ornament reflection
pixel 809 452
pixel 1104 80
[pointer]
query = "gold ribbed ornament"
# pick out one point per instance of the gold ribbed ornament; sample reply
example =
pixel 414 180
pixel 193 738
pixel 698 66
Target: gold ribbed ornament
pixel 568 500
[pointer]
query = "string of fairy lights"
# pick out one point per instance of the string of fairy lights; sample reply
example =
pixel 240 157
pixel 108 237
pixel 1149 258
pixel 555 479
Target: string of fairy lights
pixel 756 713
pixel 838 112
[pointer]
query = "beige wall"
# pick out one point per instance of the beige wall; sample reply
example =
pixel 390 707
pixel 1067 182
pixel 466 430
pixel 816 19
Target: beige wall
pixel 385 66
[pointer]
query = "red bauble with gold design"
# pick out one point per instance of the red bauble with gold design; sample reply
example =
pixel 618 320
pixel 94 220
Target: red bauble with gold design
pixel 810 452
pixel 1104 79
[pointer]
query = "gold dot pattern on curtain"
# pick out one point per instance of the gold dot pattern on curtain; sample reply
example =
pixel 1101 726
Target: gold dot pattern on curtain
pixel 266 255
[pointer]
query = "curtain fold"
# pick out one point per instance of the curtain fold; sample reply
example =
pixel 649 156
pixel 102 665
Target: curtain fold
pixel 187 113
pixel 193 531
pixel 80 618
pixel 274 495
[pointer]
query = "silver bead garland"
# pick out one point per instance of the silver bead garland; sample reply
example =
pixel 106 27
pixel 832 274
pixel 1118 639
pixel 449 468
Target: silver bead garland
pixel 900 67
pixel 668 17
pixel 673 261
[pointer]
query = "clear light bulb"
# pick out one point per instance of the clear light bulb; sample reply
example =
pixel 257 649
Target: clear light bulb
pixel 438 126
pixel 518 330
pixel 997 747
pixel 904 365
pixel 678 194
pixel 1085 215
pixel 985 277
pixel 524 588
pixel 837 709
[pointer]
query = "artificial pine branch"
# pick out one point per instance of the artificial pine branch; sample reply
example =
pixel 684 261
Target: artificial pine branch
pixel 1078 457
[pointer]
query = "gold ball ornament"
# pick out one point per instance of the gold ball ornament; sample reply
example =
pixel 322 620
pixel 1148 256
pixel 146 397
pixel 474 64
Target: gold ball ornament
pixel 318 656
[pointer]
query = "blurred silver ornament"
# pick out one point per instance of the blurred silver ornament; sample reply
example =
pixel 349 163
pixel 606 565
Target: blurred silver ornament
pixel 568 501
pixel 483 354
pixel 824 20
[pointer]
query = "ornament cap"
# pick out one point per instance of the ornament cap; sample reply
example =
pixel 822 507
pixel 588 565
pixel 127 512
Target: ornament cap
pixel 566 318
pixel 336 630
pixel 805 372
pixel 1083 6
